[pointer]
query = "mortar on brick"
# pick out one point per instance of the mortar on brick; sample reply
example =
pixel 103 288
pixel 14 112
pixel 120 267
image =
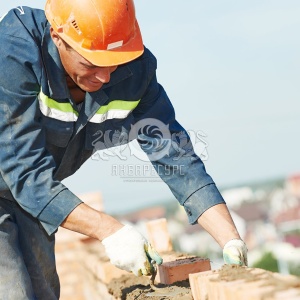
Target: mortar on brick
pixel 130 287
pixel 235 282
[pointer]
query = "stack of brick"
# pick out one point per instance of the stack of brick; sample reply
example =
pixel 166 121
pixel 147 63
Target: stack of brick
pixel 98 272
pixel 69 249
pixel 86 272
pixel 235 282
pixel 176 266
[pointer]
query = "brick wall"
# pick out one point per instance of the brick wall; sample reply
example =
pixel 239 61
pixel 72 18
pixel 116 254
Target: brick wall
pixel 86 273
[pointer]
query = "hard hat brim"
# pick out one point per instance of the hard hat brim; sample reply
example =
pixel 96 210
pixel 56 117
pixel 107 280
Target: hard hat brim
pixel 113 57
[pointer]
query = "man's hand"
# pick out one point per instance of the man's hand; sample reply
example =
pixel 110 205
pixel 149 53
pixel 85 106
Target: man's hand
pixel 128 250
pixel 235 252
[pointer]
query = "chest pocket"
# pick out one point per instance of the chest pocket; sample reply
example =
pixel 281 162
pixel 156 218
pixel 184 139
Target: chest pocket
pixel 58 133
pixel 94 135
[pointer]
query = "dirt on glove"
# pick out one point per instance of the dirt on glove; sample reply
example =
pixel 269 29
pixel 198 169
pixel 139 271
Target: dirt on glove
pixel 130 287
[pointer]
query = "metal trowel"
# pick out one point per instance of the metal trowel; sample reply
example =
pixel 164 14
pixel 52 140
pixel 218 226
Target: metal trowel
pixel 161 291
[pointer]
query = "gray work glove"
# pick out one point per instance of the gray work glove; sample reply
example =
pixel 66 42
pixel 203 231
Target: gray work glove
pixel 128 250
pixel 235 252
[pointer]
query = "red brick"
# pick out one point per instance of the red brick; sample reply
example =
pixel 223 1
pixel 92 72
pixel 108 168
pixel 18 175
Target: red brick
pixel 199 283
pixel 178 270
pixel 158 235
pixel 233 282
pixel 290 294
pixel 102 269
pixel 225 290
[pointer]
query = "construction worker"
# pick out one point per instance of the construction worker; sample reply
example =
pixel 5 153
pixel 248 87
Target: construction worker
pixel 70 75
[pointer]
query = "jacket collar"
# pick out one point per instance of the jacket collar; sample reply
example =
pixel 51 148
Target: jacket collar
pixel 54 70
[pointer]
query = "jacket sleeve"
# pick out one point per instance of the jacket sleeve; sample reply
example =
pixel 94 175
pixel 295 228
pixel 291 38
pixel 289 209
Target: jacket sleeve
pixel 25 165
pixel 159 135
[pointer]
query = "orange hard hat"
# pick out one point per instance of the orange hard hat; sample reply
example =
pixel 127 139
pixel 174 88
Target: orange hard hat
pixel 105 32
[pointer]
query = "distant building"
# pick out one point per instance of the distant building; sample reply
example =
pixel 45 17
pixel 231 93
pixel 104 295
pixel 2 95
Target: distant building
pixel 293 185
pixel 288 225
pixel 236 196
pixel 150 213
pixel 258 229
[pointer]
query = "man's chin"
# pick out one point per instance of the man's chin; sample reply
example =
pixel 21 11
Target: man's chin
pixel 91 86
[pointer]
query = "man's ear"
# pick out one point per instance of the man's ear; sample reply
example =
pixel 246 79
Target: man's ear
pixel 55 37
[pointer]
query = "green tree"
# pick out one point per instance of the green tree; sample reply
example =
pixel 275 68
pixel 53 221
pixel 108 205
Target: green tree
pixel 267 262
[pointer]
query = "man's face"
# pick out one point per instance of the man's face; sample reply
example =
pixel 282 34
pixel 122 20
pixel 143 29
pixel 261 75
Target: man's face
pixel 85 75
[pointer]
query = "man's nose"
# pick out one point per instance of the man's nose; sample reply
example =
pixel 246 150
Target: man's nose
pixel 103 74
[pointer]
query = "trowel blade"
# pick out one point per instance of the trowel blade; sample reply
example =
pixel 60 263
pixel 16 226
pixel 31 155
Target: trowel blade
pixel 161 291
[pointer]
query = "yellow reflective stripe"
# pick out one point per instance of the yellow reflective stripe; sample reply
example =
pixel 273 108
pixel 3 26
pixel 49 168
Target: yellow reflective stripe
pixel 65 107
pixel 56 110
pixel 116 109
pixel 118 105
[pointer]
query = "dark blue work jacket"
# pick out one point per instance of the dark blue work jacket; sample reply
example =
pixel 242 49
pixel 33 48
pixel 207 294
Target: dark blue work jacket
pixel 45 138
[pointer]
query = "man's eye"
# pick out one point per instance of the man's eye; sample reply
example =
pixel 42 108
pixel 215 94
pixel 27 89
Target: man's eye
pixel 88 66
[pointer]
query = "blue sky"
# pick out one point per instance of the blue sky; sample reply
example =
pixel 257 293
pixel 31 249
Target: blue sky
pixel 232 70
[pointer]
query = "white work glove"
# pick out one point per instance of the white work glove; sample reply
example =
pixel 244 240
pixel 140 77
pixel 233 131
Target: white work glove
pixel 235 252
pixel 128 250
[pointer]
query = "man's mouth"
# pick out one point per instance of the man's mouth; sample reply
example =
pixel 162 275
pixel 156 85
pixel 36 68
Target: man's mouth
pixel 95 83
